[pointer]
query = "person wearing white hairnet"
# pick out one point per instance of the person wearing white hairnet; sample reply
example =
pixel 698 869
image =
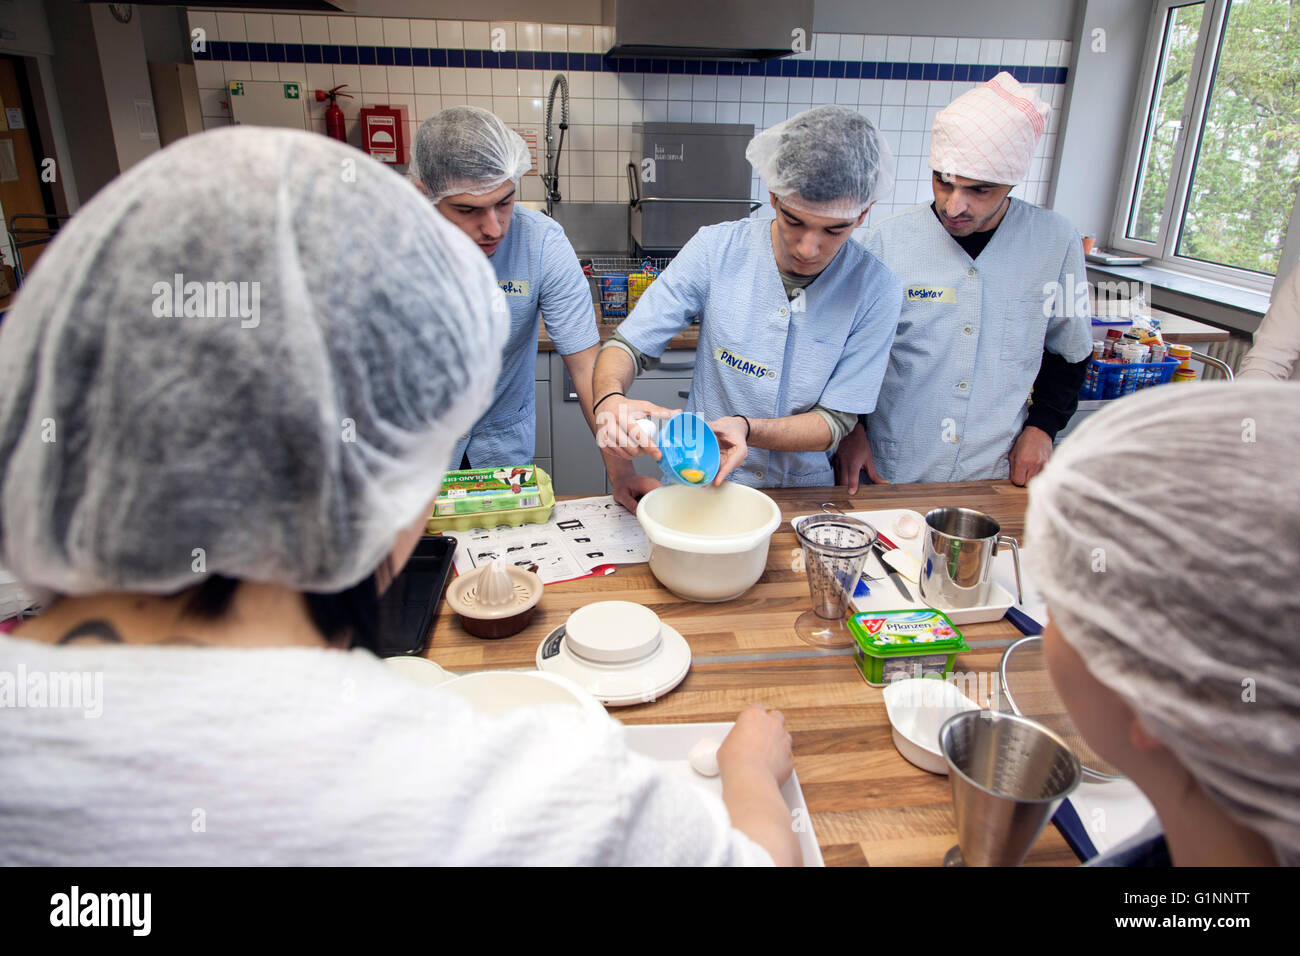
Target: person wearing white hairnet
pixel 795 320
pixel 468 162
pixel 991 309
pixel 1162 535
pixel 223 422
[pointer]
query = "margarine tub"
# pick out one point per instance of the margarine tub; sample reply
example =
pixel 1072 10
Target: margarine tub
pixel 892 645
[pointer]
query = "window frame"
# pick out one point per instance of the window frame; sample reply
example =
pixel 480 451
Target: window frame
pixel 1163 251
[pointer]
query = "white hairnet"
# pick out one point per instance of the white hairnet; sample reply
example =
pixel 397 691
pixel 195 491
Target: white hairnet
pixel 144 446
pixel 465 149
pixel 1163 535
pixel 828 161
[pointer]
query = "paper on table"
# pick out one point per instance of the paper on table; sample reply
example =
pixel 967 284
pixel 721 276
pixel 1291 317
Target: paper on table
pixel 1004 573
pixel 580 535
pixel 1111 812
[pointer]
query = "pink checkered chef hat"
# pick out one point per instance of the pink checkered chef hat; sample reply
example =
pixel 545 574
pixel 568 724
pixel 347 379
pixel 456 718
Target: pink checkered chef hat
pixel 989 133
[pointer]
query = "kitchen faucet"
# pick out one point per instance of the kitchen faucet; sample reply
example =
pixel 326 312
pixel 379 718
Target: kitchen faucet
pixel 551 178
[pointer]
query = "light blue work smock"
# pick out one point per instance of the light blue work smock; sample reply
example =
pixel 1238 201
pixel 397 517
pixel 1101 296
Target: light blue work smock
pixel 538 271
pixel 971 338
pixel 763 355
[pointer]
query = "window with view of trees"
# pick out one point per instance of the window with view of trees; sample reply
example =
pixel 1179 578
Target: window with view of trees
pixel 1214 175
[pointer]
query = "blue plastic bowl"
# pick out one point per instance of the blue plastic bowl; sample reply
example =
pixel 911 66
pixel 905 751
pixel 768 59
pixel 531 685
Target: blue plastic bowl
pixel 686 441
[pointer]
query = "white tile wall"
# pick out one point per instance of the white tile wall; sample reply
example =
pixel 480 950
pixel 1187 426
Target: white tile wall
pixel 603 106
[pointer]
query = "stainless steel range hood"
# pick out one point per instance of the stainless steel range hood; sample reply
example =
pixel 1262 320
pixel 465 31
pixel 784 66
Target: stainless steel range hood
pixel 707 29
pixel 313 6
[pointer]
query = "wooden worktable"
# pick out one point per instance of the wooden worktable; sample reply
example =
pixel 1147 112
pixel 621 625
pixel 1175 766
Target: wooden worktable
pixel 868 805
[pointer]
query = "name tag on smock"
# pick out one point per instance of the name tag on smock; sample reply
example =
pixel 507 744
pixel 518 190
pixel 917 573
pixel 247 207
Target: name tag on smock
pixel 930 293
pixel 743 365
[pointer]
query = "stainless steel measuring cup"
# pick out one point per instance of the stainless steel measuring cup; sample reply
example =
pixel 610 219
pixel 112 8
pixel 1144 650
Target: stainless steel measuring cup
pixel 957 558
pixel 1008 776
pixel 834 547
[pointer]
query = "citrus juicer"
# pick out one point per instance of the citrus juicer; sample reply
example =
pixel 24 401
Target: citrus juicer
pixel 690 451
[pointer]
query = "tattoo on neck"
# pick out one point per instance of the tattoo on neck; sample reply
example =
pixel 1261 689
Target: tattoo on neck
pixel 98 630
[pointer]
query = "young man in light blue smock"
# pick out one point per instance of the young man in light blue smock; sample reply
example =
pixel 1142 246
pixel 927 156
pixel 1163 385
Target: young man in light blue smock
pixel 469 163
pixel 795 321
pixel 992 308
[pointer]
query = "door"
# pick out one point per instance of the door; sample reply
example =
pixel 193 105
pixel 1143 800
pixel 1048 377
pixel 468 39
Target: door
pixel 21 192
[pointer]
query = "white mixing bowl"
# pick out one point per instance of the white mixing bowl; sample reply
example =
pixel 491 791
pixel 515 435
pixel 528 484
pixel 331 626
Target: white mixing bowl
pixel 708 544
pixel 492 693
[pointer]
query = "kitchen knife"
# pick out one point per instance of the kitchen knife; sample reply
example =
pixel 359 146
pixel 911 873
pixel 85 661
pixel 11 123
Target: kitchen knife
pixel 894 576
pixel 898 559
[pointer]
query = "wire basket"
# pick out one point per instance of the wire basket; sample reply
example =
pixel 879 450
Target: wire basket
pixel 621 280
pixel 1112 380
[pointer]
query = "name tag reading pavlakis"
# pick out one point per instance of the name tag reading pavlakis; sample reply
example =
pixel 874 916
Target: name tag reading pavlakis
pixel 743 365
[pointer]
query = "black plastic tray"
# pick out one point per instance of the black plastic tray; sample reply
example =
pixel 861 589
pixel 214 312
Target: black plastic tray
pixel 407 609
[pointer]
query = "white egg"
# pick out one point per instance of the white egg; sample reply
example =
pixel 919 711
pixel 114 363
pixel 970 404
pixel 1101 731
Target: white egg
pixel 703 757
pixel 907 526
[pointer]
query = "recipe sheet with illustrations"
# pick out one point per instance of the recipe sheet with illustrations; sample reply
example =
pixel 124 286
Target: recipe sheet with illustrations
pixel 581 535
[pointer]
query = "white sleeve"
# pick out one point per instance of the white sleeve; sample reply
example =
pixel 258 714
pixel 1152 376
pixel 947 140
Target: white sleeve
pixel 537 787
pixel 1277 340
pixel 671 823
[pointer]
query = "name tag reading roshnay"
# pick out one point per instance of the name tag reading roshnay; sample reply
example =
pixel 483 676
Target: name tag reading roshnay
pixel 931 293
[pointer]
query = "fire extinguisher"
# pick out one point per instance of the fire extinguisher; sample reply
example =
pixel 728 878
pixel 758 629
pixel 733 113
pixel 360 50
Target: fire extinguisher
pixel 334 115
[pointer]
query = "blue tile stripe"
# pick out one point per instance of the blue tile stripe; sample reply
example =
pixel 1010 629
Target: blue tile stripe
pixel 599 63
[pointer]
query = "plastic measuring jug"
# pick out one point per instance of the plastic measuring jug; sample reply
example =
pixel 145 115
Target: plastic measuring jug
pixel 690 449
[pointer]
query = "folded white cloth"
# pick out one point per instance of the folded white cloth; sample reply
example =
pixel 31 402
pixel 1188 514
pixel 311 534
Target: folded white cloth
pixel 989 133
pixel 288 756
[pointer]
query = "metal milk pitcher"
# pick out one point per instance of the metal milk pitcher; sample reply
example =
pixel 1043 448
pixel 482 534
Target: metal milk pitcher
pixel 957 558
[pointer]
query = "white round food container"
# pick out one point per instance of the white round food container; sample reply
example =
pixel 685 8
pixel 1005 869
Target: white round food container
pixel 708 544
pixel 421 670
pixel 492 693
pixel 619 652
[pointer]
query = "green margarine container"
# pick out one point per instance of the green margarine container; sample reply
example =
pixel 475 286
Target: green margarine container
pixel 891 645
